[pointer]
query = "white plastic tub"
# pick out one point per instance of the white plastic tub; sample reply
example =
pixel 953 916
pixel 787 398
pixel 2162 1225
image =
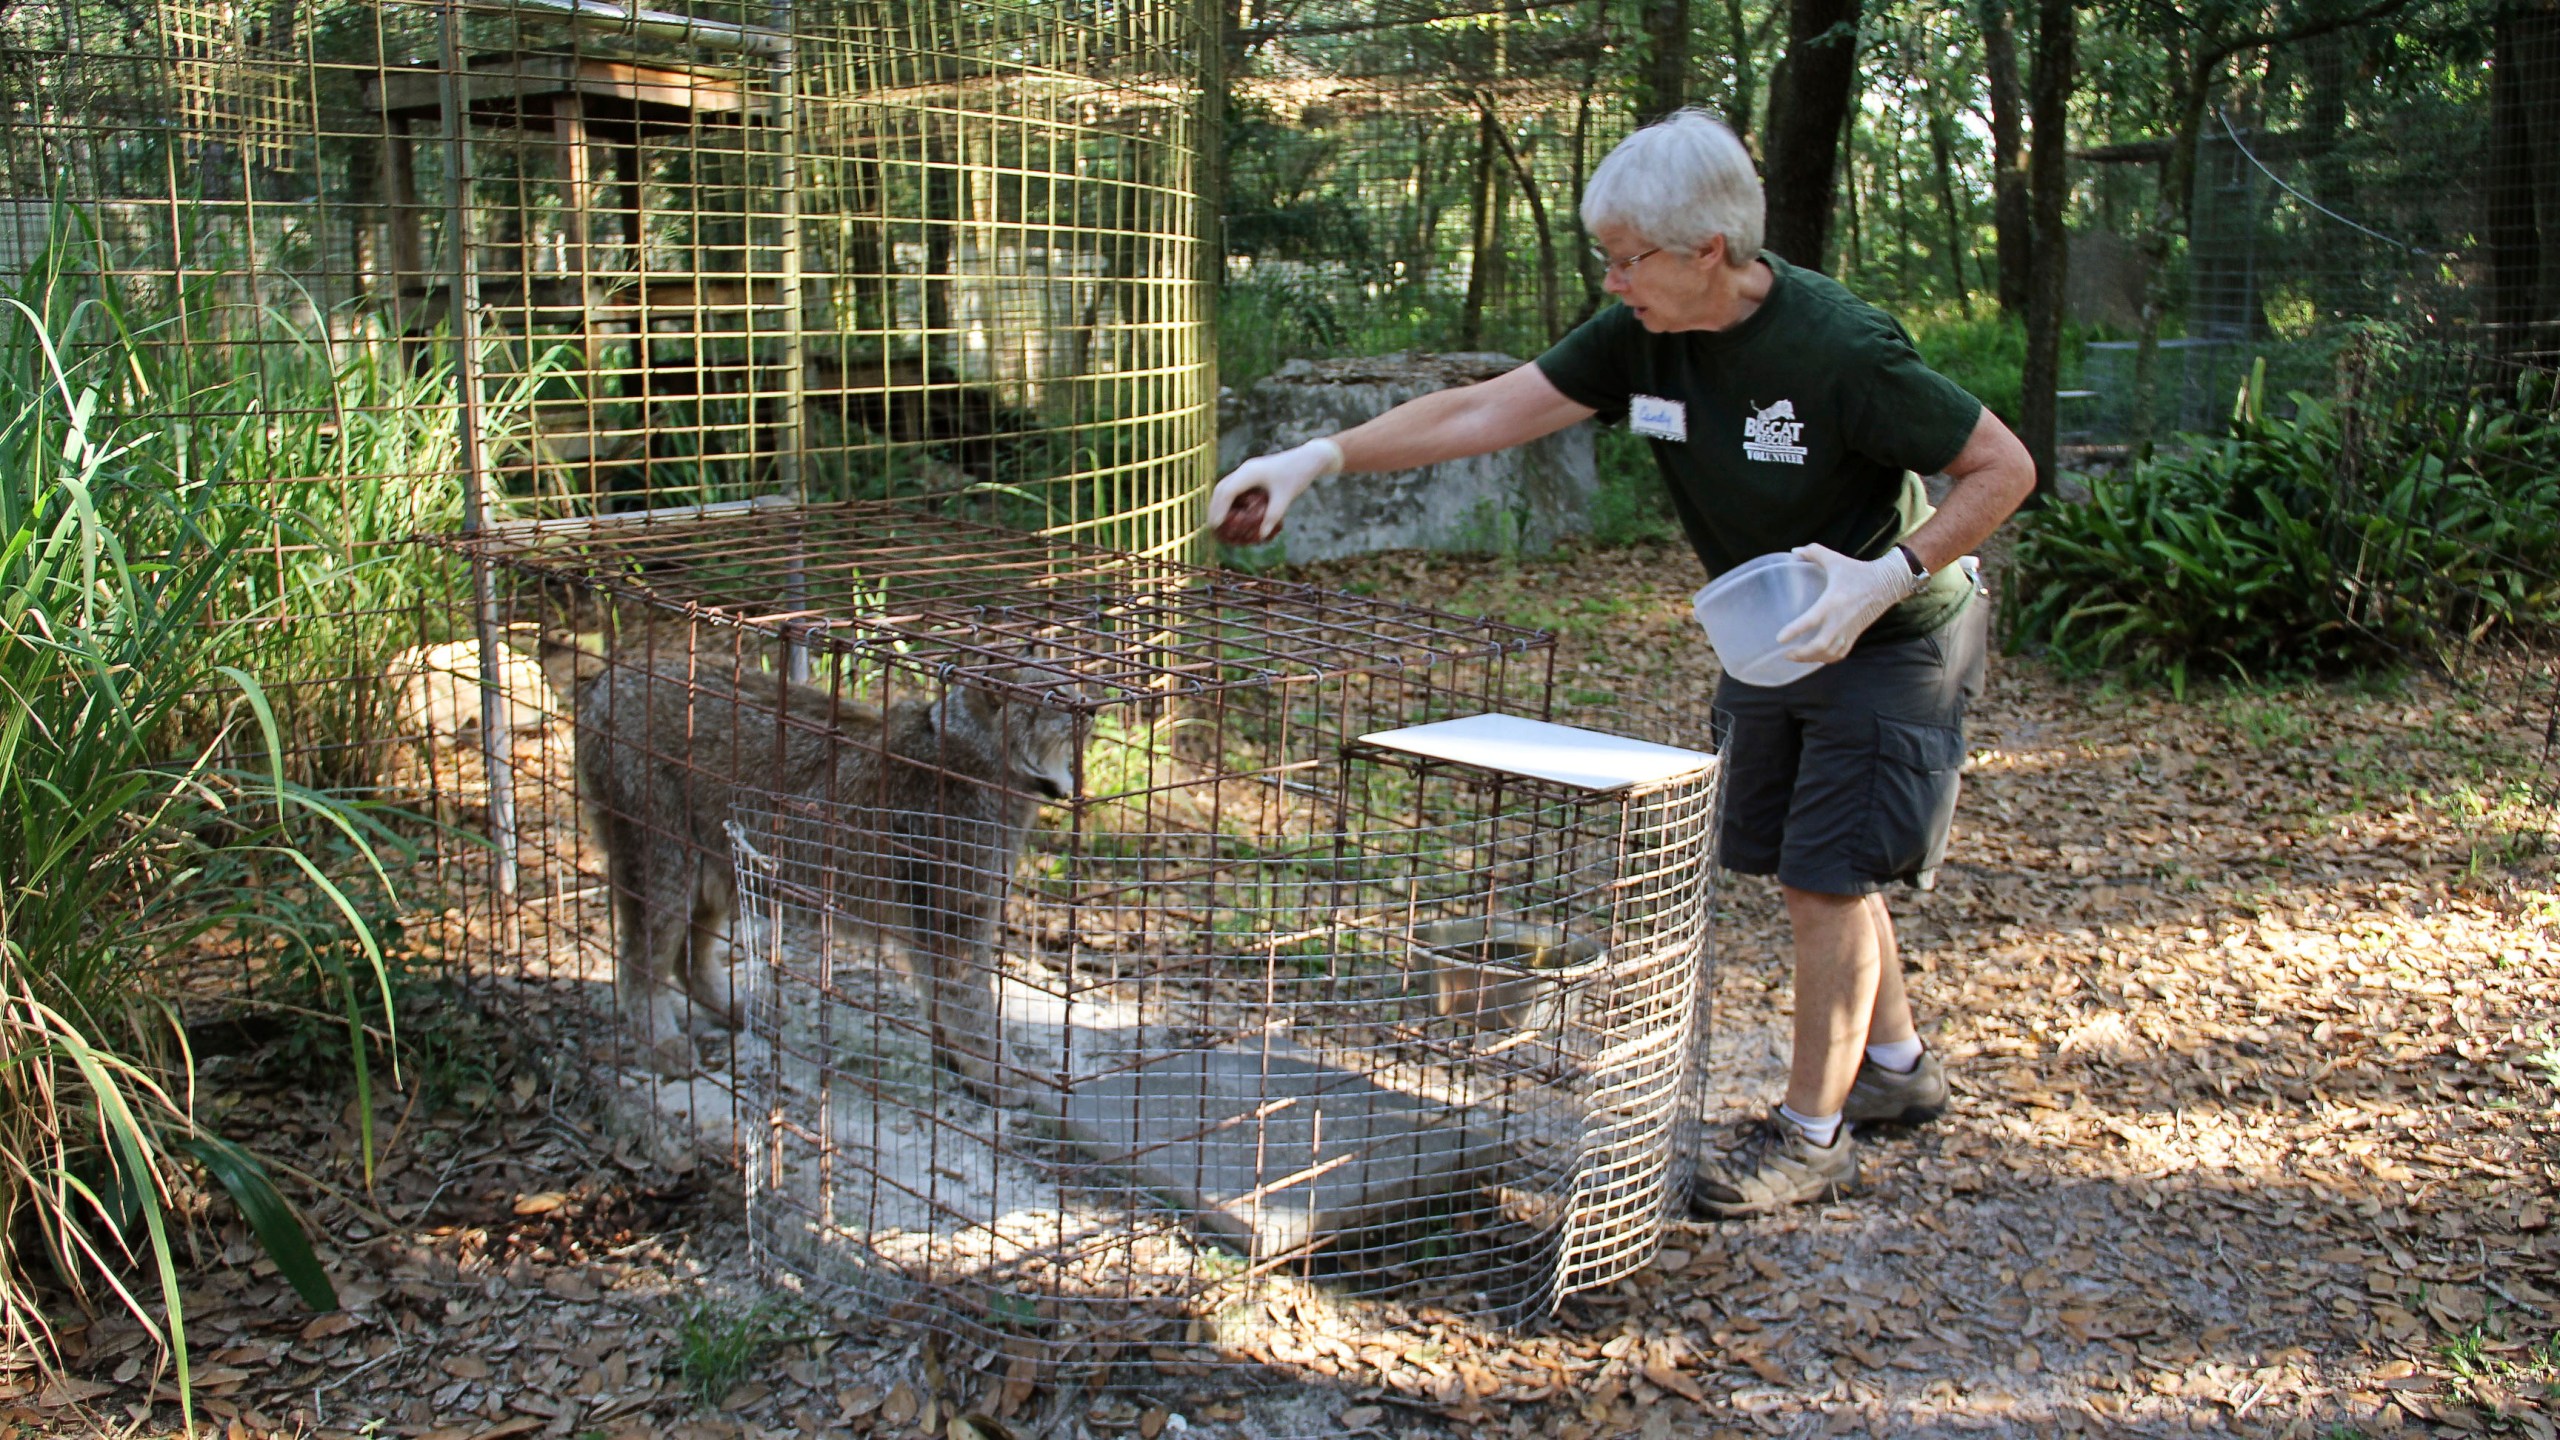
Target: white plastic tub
pixel 1744 608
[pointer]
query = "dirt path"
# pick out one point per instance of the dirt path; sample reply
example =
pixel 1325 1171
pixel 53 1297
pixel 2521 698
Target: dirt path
pixel 2248 1001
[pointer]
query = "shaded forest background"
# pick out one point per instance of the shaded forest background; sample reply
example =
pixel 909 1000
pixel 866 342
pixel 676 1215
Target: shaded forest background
pixel 2014 178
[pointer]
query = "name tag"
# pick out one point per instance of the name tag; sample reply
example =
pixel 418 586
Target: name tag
pixel 1658 419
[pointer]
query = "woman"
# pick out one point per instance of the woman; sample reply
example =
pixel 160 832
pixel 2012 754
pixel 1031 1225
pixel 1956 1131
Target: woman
pixel 1785 414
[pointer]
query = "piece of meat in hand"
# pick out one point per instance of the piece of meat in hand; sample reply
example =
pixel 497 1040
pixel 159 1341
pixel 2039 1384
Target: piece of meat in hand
pixel 1243 525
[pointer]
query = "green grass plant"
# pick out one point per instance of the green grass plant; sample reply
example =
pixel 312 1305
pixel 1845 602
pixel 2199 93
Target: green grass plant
pixel 145 807
pixel 719 1342
pixel 1632 507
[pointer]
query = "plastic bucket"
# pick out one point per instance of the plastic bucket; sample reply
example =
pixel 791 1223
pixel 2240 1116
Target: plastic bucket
pixel 1744 608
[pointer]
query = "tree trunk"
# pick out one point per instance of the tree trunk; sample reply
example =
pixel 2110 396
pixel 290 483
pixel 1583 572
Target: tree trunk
pixel 1941 154
pixel 869 251
pixel 1482 234
pixel 2324 119
pixel 1854 257
pixel 2513 256
pixel 1437 149
pixel 2534 45
pixel 1746 79
pixel 1664 86
pixel 942 202
pixel 2170 207
pixel 1904 256
pixel 1550 279
pixel 2009 220
pixel 1586 265
pixel 1809 100
pixel 2049 187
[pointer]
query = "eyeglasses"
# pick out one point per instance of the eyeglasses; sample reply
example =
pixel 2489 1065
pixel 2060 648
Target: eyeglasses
pixel 1625 268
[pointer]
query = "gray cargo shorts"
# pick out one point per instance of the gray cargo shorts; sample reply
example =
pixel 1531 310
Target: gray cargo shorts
pixel 1845 781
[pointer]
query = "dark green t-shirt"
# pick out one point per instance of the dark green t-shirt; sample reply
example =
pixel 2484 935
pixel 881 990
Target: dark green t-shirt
pixel 1810 422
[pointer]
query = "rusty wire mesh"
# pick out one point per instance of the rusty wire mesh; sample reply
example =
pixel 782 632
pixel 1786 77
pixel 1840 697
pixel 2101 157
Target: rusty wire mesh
pixel 1257 1012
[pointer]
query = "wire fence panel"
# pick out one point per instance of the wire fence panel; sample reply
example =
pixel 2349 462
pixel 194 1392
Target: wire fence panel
pixel 415 267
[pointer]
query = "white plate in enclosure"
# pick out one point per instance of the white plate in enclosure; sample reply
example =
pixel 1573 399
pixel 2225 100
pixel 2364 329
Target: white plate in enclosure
pixel 1542 750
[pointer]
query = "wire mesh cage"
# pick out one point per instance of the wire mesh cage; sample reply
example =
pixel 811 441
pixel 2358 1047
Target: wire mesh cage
pixel 1301 978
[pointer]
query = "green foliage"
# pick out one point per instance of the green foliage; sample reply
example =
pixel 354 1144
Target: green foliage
pixel 348 456
pixel 2279 549
pixel 718 1343
pixel 130 825
pixel 2545 1059
pixel 1286 197
pixel 270 1217
pixel 1632 506
pixel 1270 318
pixel 1985 353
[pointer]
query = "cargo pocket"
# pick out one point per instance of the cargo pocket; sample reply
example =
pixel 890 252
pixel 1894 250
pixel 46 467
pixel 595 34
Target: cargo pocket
pixel 1915 796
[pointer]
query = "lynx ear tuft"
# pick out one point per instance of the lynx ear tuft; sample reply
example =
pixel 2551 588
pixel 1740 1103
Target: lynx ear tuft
pixel 976 710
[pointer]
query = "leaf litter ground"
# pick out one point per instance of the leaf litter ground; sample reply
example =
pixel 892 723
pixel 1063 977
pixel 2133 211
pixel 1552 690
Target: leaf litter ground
pixel 2249 1006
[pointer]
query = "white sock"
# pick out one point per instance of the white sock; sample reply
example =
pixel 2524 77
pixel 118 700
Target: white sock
pixel 1820 1129
pixel 1898 1056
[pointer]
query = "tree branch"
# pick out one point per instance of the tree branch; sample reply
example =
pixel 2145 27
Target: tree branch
pixel 2307 30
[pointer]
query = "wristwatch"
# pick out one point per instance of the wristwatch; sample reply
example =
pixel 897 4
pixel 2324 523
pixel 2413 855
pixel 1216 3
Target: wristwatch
pixel 1919 572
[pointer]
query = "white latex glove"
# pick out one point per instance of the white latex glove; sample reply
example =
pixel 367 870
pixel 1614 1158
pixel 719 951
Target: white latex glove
pixel 1854 593
pixel 1282 478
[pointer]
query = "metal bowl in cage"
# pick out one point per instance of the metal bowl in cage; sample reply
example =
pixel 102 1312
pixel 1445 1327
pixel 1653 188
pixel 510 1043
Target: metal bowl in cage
pixel 1501 974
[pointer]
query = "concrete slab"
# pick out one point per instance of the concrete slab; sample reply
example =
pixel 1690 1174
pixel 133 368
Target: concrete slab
pixel 1274 1152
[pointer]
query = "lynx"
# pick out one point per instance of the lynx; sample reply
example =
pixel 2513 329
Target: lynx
pixel 927 805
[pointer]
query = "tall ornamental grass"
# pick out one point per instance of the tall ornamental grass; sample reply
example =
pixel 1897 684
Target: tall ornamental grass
pixel 127 831
pixel 341 452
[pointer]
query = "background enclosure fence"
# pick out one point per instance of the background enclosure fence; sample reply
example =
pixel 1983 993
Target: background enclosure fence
pixel 417 267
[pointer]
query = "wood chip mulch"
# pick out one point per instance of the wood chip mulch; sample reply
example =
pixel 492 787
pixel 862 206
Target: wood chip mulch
pixel 2249 1002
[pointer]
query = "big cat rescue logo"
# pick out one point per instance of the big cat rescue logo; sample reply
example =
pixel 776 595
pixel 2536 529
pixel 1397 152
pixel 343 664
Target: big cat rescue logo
pixel 1774 435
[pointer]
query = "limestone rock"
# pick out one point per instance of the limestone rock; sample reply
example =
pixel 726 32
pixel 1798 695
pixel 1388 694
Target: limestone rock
pixel 1519 501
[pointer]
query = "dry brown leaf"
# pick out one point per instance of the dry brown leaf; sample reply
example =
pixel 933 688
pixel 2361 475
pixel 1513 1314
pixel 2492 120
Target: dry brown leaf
pixel 572 1286
pixel 1669 1378
pixel 63 1390
pixel 336 1322
pixel 466 1367
pixel 901 1407
pixel 541 1202
pixel 1152 1423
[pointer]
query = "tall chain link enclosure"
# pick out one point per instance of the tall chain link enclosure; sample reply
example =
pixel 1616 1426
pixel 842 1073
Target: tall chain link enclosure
pixel 1097 956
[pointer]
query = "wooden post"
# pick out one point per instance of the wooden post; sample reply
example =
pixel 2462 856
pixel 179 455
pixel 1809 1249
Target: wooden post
pixel 405 252
pixel 569 129
pixel 497 762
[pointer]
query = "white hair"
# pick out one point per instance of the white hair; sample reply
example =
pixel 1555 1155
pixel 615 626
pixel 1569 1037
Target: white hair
pixel 1681 181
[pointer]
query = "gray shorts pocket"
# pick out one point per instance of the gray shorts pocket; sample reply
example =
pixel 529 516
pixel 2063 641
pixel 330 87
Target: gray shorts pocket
pixel 1914 799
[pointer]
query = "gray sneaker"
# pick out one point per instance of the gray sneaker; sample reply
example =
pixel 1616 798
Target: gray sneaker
pixel 1771 1165
pixel 1881 1096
